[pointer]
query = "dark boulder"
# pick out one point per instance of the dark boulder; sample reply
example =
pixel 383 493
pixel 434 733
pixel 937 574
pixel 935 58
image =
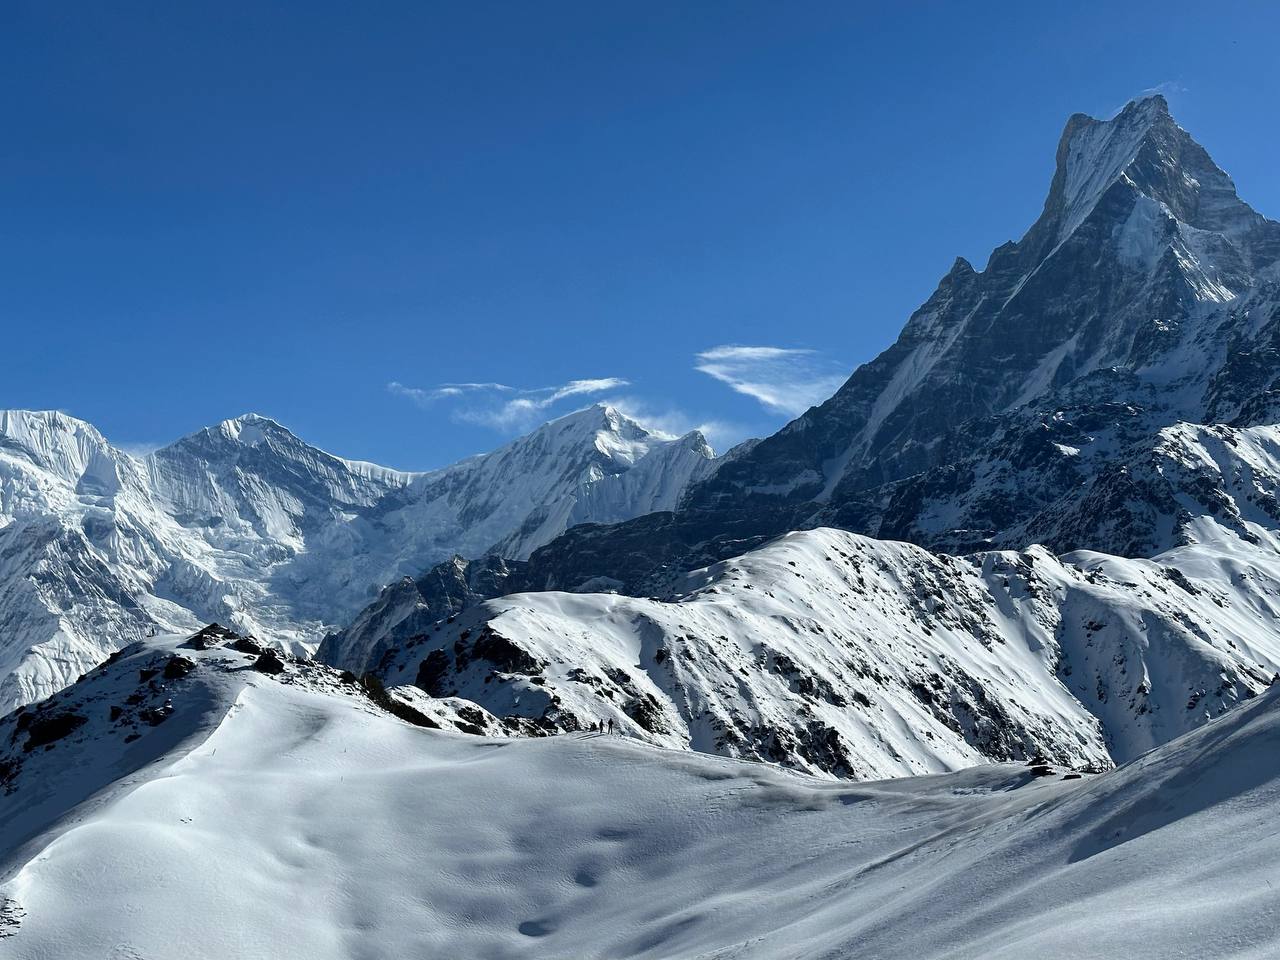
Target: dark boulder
pixel 269 662
pixel 178 667
pixel 246 645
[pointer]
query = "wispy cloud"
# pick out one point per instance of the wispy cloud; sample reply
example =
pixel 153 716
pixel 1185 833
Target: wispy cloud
pixel 501 406
pixel 781 379
pixel 426 397
pixel 1169 89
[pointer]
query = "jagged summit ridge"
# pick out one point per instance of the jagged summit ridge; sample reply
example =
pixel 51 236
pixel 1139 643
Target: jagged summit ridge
pixel 1178 199
pixel 1093 155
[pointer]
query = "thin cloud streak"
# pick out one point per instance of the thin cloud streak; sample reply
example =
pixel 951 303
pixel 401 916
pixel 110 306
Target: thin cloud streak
pixel 781 379
pixel 1169 89
pixel 491 404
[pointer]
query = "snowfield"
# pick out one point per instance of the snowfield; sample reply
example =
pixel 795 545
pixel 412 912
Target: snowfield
pixel 286 816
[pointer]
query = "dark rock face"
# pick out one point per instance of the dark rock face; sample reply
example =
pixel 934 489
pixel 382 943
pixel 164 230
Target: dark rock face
pixel 47 730
pixel 485 654
pixel 178 667
pixel 211 636
pixel 410 607
pixel 499 651
pixel 377 692
pixel 246 645
pixel 432 673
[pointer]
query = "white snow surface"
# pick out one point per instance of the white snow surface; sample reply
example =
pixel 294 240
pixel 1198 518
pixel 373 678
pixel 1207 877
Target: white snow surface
pixel 283 817
pixel 245 524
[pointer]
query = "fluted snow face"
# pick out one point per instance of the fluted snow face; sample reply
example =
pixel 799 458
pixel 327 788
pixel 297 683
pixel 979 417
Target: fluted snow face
pixel 245 524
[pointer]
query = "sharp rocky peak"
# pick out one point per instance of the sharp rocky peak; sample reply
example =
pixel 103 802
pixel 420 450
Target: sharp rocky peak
pixel 1144 294
pixel 601 416
pixel 595 430
pixel 1141 151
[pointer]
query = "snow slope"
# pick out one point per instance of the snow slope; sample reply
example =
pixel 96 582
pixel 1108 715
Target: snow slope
pixel 283 817
pixel 245 523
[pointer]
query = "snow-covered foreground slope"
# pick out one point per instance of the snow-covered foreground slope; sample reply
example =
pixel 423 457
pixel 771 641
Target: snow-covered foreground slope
pixel 286 816
pixel 246 524
pixel 860 658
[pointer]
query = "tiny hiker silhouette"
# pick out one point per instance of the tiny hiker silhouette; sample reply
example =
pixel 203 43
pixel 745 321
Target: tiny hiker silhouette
pixel 610 726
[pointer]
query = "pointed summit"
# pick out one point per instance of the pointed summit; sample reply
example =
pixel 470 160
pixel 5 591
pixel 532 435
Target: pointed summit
pixel 1141 152
pixel 252 428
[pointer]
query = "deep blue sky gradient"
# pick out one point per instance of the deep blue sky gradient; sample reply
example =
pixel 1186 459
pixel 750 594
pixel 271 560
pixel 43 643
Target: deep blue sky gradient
pixel 207 209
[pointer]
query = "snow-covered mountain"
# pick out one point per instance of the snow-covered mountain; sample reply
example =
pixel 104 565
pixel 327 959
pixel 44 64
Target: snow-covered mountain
pixel 246 524
pixel 1146 295
pixel 1144 281
pixel 239 811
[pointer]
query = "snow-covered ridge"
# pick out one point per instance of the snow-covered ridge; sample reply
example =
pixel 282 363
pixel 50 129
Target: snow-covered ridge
pixel 851 657
pixel 245 523
pixel 287 813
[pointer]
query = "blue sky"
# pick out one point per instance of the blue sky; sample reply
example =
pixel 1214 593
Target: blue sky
pixel 409 231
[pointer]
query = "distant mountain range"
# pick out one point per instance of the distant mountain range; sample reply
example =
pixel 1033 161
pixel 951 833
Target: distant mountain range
pixel 246 524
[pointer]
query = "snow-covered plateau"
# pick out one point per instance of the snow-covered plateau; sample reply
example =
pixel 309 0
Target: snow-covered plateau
pixel 180 802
